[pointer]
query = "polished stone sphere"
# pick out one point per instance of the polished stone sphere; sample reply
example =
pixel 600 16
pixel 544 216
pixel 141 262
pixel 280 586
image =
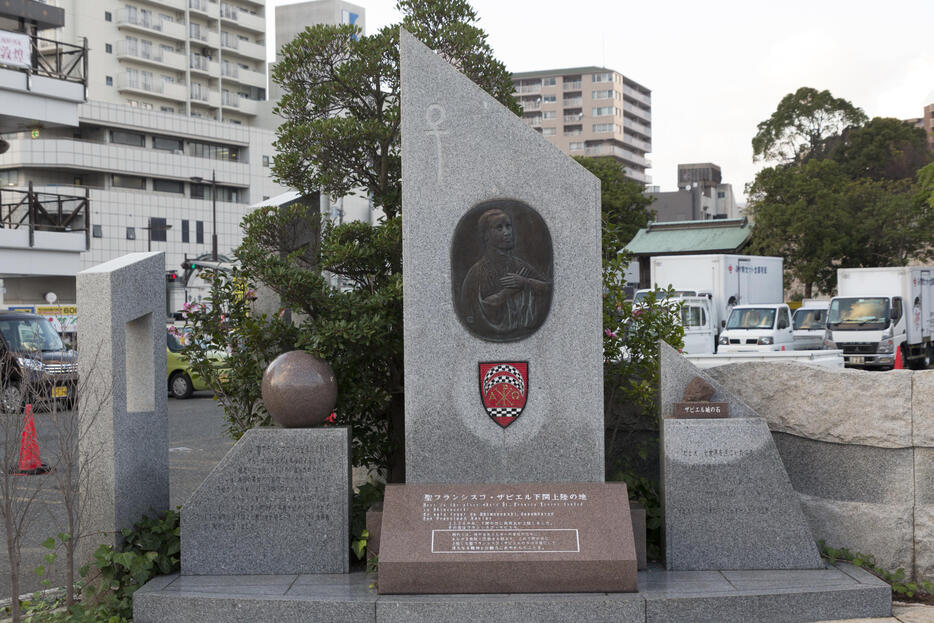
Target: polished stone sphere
pixel 299 390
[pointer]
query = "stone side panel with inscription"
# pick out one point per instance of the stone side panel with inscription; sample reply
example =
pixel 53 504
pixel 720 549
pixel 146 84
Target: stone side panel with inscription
pixel 475 293
pixel 728 500
pixel 277 503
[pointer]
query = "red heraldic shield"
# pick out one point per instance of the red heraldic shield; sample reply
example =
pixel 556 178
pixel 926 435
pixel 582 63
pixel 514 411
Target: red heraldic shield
pixel 504 388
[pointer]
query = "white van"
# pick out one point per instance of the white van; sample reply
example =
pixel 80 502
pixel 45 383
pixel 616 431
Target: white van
pixel 757 328
pixel 810 322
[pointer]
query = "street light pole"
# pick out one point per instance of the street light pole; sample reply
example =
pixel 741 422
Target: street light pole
pixel 198 180
pixel 214 215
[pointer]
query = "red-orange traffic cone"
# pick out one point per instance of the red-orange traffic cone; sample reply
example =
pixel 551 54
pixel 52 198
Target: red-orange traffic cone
pixel 29 462
pixel 899 364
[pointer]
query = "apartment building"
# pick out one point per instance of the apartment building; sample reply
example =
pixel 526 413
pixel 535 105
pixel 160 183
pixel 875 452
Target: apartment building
pixel 926 123
pixel 200 58
pixel 701 195
pixel 152 180
pixel 590 111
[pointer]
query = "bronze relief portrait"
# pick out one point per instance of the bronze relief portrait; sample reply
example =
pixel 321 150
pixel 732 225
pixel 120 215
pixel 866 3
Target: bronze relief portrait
pixel 501 270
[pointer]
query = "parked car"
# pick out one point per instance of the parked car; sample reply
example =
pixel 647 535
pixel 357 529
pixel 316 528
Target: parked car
pixel 35 365
pixel 810 323
pixel 182 379
pixel 757 328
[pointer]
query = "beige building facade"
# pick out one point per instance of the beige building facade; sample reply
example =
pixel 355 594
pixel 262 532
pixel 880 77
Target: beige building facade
pixel 199 58
pixel 590 111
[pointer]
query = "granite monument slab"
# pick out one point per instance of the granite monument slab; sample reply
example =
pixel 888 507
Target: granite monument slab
pixel 728 500
pixel 278 502
pixel 515 538
pixel 121 338
pixel 501 251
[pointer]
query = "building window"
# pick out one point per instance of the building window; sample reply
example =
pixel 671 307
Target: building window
pixel 127 138
pixel 128 181
pixel 600 111
pixel 168 186
pixel 602 127
pixel 265 161
pixel 184 231
pixel 131 233
pixel 157 229
pixel 549 99
pixel 97 231
pixel 549 82
pixel 602 77
pixel 166 143
pixel 549 131
pixel 212 151
pixel 108 48
pixel 108 17
pixel 576 146
pixel 199 232
pixel 549 114
pixel 721 194
pixel 109 80
pixel 198 191
pixel 9 177
pixel 600 95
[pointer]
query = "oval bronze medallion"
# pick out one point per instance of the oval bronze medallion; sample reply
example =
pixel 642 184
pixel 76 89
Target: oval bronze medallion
pixel 501 270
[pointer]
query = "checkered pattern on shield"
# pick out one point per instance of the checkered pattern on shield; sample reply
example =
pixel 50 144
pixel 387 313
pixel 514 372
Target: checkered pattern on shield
pixel 504 390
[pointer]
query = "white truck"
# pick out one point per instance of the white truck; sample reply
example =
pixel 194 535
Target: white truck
pixel 810 323
pixel 879 311
pixel 729 280
pixel 752 328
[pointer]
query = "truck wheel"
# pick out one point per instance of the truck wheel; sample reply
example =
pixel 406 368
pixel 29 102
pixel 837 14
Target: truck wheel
pixel 11 398
pixel 180 385
pixel 925 362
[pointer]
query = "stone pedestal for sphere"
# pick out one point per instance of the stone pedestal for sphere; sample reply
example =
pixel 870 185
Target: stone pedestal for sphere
pixel 277 503
pixel 299 390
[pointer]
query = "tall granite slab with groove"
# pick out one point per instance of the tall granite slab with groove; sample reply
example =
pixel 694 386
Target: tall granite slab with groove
pixel 728 500
pixel 463 148
pixel 122 402
pixel 278 502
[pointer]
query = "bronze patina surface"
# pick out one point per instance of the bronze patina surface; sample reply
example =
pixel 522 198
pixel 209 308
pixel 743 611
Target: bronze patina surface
pixel 501 270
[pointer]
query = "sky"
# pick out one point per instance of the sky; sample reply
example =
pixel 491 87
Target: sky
pixel 718 68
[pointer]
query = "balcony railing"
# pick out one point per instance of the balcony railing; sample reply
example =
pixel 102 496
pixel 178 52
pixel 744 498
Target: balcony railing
pixel 572 86
pixel 55 59
pixel 45 212
pixel 577 101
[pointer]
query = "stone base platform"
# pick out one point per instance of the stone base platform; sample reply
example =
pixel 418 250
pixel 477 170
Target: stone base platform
pixel 834 593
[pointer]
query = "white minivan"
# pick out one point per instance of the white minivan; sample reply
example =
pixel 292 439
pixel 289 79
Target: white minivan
pixel 810 323
pixel 757 328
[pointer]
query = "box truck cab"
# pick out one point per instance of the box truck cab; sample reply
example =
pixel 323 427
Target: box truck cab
pixel 700 334
pixel 881 311
pixel 757 328
pixel 809 323
pixel 729 279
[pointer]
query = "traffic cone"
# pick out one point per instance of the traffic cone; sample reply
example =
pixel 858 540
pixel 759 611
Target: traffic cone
pixel 899 364
pixel 29 462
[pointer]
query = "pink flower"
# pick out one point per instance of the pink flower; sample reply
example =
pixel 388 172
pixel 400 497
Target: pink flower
pixel 637 312
pixel 609 333
pixel 251 294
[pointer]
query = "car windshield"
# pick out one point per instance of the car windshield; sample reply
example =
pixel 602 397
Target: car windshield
pixel 752 318
pixel 640 294
pixel 810 319
pixel 30 334
pixel 859 313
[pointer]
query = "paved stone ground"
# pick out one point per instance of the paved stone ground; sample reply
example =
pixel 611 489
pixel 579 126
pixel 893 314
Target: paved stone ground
pixel 901 613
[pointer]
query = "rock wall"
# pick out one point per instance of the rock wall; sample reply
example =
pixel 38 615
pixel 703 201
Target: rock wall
pixel 859 449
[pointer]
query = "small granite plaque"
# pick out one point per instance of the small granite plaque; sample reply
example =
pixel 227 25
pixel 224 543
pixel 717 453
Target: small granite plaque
pixel 517 538
pixel 277 503
pixel 697 410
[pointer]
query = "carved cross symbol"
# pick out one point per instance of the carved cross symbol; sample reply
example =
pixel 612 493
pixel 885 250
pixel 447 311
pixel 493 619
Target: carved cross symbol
pixel 434 117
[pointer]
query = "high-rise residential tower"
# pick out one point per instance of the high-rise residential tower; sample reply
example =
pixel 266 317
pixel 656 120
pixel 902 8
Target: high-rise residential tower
pixel 590 111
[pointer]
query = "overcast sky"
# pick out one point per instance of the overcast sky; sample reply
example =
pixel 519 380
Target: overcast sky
pixel 718 68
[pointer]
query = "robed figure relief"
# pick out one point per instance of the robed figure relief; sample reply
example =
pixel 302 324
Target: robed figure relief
pixel 501 260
